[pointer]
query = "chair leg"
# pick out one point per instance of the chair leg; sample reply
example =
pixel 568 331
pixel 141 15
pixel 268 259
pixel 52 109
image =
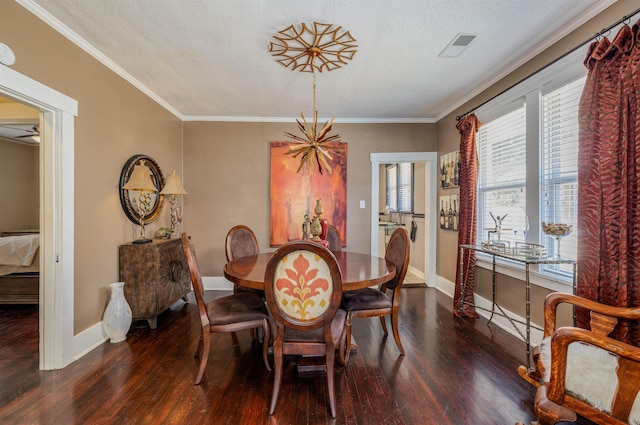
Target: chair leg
pixel 396 333
pixel 198 352
pixel 342 347
pixel 204 356
pixel 384 325
pixel 330 359
pixel 277 376
pixel 265 343
pixel 345 345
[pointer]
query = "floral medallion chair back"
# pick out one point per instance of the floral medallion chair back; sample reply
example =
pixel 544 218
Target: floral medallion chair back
pixel 303 286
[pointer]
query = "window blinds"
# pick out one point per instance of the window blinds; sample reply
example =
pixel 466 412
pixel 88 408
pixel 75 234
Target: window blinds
pixel 501 146
pixel 400 186
pixel 559 156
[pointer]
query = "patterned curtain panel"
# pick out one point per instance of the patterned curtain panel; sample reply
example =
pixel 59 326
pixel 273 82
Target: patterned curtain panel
pixel 609 178
pixel 467 216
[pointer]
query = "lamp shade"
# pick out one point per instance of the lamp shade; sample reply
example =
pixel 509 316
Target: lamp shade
pixel 173 185
pixel 140 179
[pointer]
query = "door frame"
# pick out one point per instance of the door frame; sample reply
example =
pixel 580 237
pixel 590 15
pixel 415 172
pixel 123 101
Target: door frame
pixel 430 208
pixel 56 305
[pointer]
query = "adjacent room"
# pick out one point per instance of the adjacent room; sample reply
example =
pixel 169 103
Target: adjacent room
pixel 284 212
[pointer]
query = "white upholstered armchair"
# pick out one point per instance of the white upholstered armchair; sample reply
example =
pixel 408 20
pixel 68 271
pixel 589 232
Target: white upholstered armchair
pixel 584 371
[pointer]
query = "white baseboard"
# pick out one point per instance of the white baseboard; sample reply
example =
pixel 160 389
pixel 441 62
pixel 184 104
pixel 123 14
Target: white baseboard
pixel 503 322
pixel 445 286
pixel 88 339
pixel 95 336
pixel 448 287
pixel 413 270
pixel 216 283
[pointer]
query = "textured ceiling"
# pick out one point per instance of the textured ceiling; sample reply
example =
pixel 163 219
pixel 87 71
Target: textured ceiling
pixel 210 59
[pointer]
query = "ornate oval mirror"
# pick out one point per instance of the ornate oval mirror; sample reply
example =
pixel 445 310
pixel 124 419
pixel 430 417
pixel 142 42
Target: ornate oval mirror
pixel 129 198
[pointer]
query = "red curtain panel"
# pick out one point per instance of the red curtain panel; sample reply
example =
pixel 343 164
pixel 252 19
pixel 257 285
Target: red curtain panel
pixel 609 178
pixel 467 216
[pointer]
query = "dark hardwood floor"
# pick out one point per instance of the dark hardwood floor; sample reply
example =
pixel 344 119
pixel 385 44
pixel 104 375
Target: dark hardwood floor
pixel 454 372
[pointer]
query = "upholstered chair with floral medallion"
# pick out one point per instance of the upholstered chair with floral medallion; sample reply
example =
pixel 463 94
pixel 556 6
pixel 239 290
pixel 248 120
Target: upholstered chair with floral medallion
pixel 303 288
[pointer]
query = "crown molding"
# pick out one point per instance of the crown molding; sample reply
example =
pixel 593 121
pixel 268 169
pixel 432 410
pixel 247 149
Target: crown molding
pixel 47 18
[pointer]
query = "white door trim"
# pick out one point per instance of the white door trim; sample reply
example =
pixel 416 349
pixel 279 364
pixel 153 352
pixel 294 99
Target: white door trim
pixel 430 207
pixel 56 212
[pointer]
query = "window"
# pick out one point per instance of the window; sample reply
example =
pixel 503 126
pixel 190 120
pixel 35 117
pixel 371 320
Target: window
pixel 400 186
pixel 501 146
pixel 559 163
pixel 528 150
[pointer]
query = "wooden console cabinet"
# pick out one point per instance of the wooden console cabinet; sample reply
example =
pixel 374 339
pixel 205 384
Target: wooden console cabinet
pixel 155 275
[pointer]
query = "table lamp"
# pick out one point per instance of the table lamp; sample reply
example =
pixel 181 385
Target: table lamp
pixel 140 180
pixel 174 188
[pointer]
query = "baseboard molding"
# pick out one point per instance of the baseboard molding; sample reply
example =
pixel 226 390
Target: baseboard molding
pixel 447 287
pixel 216 283
pixel 88 340
pixel 419 273
pixel 94 336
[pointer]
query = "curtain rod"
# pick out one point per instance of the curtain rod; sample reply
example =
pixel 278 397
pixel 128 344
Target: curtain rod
pixel 598 34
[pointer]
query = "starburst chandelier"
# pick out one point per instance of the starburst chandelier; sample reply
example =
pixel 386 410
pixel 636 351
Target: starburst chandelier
pixel 322 47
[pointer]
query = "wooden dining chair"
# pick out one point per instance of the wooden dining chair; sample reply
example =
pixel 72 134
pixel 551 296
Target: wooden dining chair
pixel 242 242
pixel 374 302
pixel 303 286
pixel 334 239
pixel 231 313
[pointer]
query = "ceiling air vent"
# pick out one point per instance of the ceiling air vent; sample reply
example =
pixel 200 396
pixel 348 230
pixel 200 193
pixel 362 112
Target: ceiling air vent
pixel 458 45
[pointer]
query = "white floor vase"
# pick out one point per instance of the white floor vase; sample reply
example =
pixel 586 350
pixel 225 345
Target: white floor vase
pixel 117 317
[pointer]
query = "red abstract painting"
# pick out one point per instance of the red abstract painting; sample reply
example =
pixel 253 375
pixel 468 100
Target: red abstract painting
pixel 295 194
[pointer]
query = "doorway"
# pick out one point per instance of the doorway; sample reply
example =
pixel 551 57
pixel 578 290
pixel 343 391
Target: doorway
pixel 430 184
pixel 19 232
pixel 56 307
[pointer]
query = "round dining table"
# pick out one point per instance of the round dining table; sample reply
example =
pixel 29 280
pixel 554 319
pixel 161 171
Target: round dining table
pixel 358 270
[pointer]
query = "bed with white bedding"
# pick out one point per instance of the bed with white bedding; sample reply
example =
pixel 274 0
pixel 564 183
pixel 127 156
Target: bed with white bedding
pixel 19 267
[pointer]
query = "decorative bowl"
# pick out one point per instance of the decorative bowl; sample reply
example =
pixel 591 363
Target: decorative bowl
pixel 556 229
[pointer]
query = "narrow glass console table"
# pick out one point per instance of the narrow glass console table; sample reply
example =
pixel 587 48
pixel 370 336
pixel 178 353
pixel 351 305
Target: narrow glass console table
pixel 527 260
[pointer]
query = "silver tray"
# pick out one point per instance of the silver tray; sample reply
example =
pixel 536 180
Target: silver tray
pixel 521 248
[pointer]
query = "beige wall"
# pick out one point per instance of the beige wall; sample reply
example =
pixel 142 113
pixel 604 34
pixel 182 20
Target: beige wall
pixel 115 121
pixel 511 290
pixel 227 177
pixel 19 186
pixel 19 172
